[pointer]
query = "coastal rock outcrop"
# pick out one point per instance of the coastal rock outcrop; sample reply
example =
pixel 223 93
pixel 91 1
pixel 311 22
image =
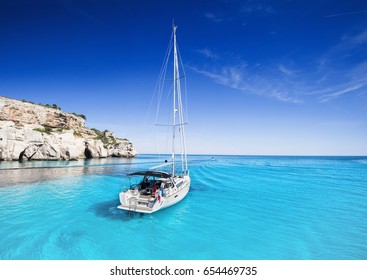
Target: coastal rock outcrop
pixel 36 132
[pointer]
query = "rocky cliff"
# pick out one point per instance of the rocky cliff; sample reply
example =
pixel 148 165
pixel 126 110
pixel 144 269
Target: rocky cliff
pixel 35 132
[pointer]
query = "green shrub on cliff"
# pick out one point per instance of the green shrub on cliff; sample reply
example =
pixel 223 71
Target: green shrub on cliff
pixel 80 115
pixel 78 134
pixel 46 130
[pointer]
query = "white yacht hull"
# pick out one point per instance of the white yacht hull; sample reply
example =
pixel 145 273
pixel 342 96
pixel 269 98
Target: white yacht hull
pixel 136 202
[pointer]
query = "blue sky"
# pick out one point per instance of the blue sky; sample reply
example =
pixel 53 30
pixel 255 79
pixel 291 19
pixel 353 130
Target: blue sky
pixel 263 77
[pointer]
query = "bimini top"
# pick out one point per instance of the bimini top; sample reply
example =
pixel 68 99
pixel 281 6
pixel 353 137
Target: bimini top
pixel 159 174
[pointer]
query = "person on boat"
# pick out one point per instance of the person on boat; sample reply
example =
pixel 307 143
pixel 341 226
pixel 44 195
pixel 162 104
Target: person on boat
pixel 154 190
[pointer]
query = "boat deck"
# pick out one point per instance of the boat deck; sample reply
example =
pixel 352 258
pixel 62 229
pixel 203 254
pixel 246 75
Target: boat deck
pixel 136 208
pixel 139 204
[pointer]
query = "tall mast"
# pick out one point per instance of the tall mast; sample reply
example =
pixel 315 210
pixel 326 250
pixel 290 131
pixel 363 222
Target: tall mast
pixel 178 107
pixel 175 66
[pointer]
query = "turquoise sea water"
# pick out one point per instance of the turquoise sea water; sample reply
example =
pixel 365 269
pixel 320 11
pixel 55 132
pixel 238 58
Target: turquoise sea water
pixel 239 207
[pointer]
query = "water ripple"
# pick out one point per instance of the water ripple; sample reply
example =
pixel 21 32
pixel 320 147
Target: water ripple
pixel 238 208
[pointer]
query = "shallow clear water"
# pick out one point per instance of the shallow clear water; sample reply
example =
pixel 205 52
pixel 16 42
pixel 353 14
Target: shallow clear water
pixel 238 207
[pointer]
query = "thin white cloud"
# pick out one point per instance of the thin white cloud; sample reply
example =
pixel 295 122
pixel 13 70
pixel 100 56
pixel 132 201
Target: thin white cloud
pixel 213 17
pixel 285 70
pixel 359 39
pixel 208 54
pixel 333 95
pixel 236 77
pixel 341 70
pixel 348 46
pixel 322 79
pixel 290 86
pixel 284 97
pixel 230 76
pixel 216 77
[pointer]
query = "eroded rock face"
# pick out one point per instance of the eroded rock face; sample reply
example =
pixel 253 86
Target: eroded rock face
pixel 34 132
pixel 27 113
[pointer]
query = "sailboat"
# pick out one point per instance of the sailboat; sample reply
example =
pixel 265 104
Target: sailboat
pixel 156 189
